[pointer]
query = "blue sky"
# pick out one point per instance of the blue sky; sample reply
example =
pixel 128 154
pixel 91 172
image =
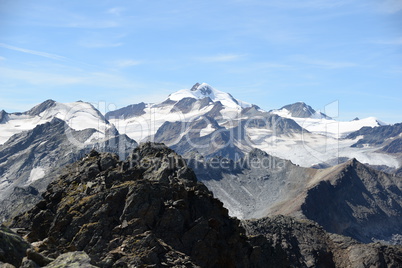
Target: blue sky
pixel 270 53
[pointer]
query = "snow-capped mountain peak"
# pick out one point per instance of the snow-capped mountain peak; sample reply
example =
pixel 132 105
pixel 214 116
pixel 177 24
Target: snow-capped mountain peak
pixel 204 88
pixel 78 116
pixel 300 110
pixel 201 91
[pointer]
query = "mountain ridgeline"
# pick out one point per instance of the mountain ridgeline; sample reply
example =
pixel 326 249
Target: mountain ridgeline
pixel 349 199
pixel 151 210
pixel 289 187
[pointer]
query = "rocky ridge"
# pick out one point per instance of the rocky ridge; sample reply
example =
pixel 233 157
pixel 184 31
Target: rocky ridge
pixel 308 245
pixel 348 199
pixel 29 160
pixel 151 211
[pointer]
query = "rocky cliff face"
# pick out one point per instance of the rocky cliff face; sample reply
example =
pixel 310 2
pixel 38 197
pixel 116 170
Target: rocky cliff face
pixel 376 135
pixel 349 199
pixel 357 201
pixel 30 160
pixel 151 210
pixel 307 245
pixel 147 210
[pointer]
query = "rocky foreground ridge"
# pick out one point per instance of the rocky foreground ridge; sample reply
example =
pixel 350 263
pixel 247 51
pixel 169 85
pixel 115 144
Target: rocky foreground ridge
pixel 150 211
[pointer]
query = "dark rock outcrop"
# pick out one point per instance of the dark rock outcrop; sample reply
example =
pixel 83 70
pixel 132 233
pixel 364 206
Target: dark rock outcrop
pixel 184 105
pixel 72 259
pixel 307 245
pixel 40 108
pixel 3 116
pixel 147 210
pixel 350 199
pixel 375 135
pixel 302 110
pixel 30 158
pixel 394 147
pixel 151 210
pixel 12 247
pixel 357 201
pixel 127 112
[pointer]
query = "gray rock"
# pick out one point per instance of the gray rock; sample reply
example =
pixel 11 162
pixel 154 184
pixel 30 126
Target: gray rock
pixel 375 135
pixel 45 148
pixel 12 247
pixel 3 116
pixel 306 244
pixel 349 199
pixel 41 107
pixel 75 259
pixel 127 112
pixel 6 265
pixel 185 105
pixel 302 110
pixel 149 210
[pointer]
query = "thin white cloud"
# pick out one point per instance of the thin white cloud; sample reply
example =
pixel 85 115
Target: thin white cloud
pixel 395 70
pixel 33 52
pixel 38 77
pixel 221 58
pixel 93 24
pixel 326 64
pixel 390 6
pixel 2 58
pixel 297 4
pixel 126 63
pixel 318 4
pixel 397 41
pixel 51 79
pixel 115 11
pixel 259 67
pixel 100 44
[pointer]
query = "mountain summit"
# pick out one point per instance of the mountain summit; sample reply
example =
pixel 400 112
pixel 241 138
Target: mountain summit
pixel 212 122
pixel 201 91
pixel 301 110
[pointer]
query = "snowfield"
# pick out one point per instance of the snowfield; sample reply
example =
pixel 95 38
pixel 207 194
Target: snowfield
pixel 321 141
pixel 77 115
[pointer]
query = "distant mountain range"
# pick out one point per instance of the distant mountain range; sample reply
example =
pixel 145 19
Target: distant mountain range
pixel 189 118
pixel 315 167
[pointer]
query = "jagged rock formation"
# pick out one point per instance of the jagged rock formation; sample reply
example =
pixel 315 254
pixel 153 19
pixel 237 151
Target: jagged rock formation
pixel 349 199
pixel 72 259
pixel 307 245
pixel 357 201
pixel 3 116
pixel 12 247
pixel 394 147
pixel 150 210
pixel 40 108
pixel 28 160
pixel 375 135
pixel 302 110
pixel 132 110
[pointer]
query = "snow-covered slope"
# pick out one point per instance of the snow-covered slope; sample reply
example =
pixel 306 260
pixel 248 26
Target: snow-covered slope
pixel 211 122
pixel 321 124
pixel 141 122
pixel 300 110
pixel 77 115
pixel 28 159
pixel 205 120
pixel 201 91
